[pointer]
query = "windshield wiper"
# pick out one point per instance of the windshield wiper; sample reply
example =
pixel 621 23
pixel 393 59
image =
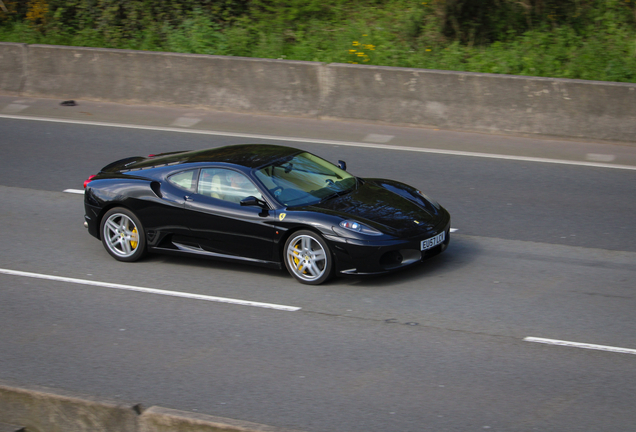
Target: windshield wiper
pixel 328 197
pixel 335 195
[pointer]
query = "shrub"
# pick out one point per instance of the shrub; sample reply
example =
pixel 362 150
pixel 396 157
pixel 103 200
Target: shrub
pixel 586 39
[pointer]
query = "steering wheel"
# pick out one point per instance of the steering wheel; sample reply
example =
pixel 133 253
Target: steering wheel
pixel 330 182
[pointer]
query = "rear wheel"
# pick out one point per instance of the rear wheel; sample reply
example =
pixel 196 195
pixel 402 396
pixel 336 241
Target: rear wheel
pixel 308 258
pixel 122 235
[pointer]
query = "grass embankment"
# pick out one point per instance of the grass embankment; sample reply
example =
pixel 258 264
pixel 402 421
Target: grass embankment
pixel 585 39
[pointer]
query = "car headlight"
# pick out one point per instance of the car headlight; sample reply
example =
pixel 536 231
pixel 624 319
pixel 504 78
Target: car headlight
pixel 359 228
pixel 432 201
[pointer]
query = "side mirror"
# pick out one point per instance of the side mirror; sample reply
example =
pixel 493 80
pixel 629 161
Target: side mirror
pixel 342 165
pixel 252 201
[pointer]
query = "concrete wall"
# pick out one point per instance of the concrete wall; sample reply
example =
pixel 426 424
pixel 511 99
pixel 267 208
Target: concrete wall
pixel 455 100
pixel 42 409
pixel 12 67
pixel 483 102
pixel 225 83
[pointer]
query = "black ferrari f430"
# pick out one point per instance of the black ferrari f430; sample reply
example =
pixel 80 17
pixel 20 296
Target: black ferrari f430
pixel 263 204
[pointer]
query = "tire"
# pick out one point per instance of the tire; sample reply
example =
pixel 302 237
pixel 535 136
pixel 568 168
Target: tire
pixel 308 258
pixel 122 235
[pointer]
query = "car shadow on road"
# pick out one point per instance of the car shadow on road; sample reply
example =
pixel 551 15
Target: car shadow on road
pixel 216 264
pixel 460 252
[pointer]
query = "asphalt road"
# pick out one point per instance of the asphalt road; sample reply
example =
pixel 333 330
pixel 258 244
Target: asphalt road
pixel 542 250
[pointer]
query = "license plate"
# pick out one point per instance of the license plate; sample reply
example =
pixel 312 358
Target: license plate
pixel 433 241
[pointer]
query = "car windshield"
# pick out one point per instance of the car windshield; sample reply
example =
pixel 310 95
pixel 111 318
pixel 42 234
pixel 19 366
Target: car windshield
pixel 305 179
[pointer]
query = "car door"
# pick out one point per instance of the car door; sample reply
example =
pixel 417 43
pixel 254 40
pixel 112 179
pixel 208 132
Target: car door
pixel 164 217
pixel 221 224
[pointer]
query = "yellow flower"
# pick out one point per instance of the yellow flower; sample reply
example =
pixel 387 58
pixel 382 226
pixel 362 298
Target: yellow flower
pixel 428 49
pixel 355 43
pixel 365 35
pixel 360 54
pixel 352 51
pixel 38 9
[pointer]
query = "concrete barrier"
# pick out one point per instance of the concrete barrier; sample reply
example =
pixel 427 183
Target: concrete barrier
pixel 483 102
pixel 158 419
pixel 456 100
pixel 13 58
pixel 43 409
pixel 224 83
pixel 5 427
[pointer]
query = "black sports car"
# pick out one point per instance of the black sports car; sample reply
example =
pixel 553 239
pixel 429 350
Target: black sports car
pixel 262 204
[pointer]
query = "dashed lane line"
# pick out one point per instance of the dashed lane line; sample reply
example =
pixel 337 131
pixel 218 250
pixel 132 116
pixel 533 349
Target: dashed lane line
pixel 14 108
pixel 185 121
pixel 581 345
pixel 270 305
pixel 330 142
pixel 150 290
pixel 377 138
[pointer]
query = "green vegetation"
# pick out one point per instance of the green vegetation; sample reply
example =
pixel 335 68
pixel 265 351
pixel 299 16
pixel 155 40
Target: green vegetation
pixel 586 39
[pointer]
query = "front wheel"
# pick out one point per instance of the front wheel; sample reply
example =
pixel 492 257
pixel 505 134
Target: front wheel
pixel 122 235
pixel 308 258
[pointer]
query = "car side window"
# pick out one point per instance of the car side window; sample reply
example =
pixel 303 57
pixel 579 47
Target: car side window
pixel 227 185
pixel 184 180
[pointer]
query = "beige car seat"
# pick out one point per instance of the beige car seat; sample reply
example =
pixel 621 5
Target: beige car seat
pixel 216 187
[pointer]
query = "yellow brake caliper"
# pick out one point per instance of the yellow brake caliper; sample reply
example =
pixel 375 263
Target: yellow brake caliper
pixel 134 239
pixel 296 259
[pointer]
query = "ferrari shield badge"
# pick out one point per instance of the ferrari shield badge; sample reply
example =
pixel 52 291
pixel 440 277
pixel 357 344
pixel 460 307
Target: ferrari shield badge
pixel 282 216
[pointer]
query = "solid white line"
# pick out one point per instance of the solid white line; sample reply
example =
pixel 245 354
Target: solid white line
pixel 150 290
pixel 581 345
pixel 330 142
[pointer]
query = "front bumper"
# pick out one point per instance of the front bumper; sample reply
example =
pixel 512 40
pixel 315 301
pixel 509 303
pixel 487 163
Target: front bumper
pixel 377 257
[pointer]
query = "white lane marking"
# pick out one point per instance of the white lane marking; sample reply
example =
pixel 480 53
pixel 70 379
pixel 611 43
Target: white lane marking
pixel 185 121
pixel 150 290
pixel 377 138
pixel 597 157
pixel 14 108
pixel 330 142
pixel 454 230
pixel 581 345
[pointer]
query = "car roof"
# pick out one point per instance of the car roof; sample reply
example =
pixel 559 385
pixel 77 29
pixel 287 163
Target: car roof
pixel 245 155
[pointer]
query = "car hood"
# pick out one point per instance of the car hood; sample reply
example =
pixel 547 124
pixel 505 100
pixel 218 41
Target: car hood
pixel 389 206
